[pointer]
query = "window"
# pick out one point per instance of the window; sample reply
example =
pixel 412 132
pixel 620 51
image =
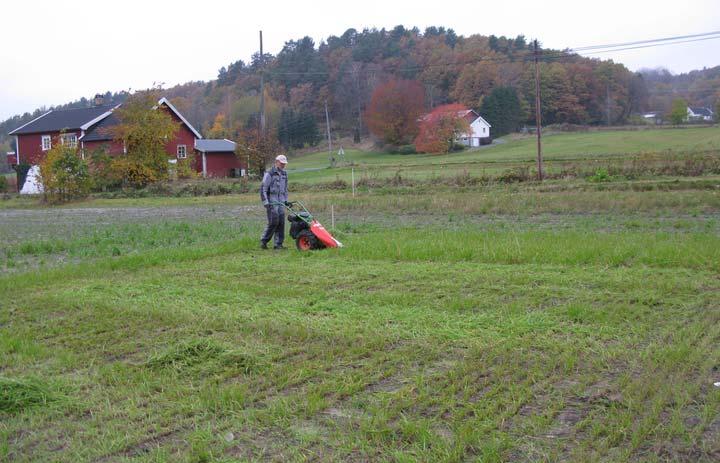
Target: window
pixel 69 139
pixel 181 151
pixel 46 143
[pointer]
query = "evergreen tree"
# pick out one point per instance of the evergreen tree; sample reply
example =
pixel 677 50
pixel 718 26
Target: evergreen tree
pixel 309 129
pixel 502 110
pixel 297 129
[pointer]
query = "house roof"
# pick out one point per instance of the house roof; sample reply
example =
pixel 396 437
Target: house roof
pixel 65 119
pixel 94 121
pixel 465 112
pixel 166 102
pixel 701 111
pixel 214 145
pixel 483 120
pixel 101 131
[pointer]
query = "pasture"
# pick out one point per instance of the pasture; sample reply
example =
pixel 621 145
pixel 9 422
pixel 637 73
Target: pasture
pixel 560 150
pixel 571 320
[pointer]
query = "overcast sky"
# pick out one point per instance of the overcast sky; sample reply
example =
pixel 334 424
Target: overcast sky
pixel 53 52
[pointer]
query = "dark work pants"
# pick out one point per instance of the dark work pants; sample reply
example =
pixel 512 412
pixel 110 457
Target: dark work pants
pixel 275 225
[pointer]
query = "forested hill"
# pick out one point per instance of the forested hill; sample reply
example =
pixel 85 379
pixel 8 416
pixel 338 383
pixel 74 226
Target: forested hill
pixel 698 88
pixel 344 70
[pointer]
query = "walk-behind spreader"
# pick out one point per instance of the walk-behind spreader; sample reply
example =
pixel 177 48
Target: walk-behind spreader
pixel 307 232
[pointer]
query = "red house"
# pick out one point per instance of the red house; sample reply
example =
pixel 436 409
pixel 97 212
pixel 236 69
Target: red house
pixel 89 129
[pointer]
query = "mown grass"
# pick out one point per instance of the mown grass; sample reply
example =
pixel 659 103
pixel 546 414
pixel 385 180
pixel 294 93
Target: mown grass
pixel 22 394
pixel 571 320
pixel 412 344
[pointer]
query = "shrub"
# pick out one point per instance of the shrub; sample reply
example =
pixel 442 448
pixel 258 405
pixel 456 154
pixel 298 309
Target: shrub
pixel 601 175
pixel 133 171
pixel 518 174
pixel 406 149
pixel 3 183
pixel 103 175
pixel 185 168
pixel 65 175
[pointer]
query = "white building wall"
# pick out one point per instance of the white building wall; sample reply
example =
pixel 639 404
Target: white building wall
pixel 480 129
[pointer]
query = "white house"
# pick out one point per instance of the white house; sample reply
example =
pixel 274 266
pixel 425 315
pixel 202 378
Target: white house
pixel 699 114
pixel 479 129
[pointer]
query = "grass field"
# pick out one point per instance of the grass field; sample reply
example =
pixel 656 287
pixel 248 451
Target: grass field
pixel 560 149
pixel 564 321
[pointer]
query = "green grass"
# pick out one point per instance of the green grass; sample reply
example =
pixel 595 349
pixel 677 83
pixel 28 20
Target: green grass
pixel 417 344
pixel 556 146
pixel 558 149
pixel 17 395
pixel 571 320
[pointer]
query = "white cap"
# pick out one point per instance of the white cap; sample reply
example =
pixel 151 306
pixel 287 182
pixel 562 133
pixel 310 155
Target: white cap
pixel 281 158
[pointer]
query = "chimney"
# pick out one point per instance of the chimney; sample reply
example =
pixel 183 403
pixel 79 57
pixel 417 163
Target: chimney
pixel 99 100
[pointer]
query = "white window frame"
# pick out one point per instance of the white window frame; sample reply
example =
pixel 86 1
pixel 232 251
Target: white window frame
pixel 70 138
pixel 46 142
pixel 182 155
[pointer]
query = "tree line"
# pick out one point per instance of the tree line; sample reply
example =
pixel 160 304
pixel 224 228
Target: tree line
pixel 487 73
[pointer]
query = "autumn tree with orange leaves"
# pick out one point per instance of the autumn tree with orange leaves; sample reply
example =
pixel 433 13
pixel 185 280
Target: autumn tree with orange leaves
pixel 394 110
pixel 440 129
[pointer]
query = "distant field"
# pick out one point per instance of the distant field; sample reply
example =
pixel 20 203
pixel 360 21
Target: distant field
pixel 558 148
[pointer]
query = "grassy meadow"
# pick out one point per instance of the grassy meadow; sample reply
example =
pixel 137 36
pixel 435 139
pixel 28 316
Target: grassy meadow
pixel 560 150
pixel 571 320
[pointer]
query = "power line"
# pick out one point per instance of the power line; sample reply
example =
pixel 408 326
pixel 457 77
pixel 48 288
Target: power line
pixel 649 46
pixel 638 42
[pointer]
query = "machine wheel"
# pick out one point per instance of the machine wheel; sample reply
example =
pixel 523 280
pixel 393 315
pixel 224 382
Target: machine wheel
pixel 307 241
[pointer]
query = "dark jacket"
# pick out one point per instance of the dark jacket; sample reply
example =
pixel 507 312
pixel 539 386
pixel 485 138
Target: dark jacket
pixel 274 186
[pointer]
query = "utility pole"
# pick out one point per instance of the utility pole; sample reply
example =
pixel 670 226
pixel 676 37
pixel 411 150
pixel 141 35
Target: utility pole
pixel 356 77
pixel 262 88
pixel 607 102
pixel 537 115
pixel 327 128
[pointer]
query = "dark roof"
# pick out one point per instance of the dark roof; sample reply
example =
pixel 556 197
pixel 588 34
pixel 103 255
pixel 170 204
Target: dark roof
pixel 701 111
pixel 102 130
pixel 214 145
pixel 66 119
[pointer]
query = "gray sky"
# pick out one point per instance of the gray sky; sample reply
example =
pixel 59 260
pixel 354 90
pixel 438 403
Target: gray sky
pixel 53 52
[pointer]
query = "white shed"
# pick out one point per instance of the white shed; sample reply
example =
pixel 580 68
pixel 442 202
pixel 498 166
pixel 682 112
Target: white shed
pixel 479 129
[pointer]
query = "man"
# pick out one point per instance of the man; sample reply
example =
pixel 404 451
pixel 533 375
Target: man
pixel 274 194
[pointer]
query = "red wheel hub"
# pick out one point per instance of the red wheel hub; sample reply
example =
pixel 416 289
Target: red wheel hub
pixel 304 243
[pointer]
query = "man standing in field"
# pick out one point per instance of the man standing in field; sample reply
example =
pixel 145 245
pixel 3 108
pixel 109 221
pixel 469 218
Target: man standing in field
pixel 274 193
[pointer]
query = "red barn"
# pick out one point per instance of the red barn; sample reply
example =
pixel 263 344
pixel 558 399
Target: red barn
pixel 218 159
pixel 89 129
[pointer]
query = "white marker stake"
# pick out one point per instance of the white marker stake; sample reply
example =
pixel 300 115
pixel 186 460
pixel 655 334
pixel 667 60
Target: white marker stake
pixel 352 171
pixel 332 216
